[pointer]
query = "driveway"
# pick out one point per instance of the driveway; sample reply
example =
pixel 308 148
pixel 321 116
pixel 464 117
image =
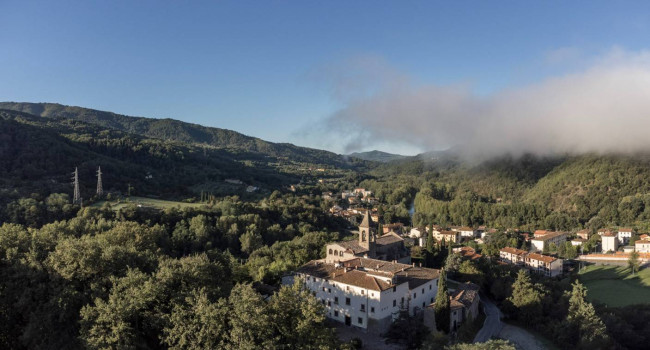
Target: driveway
pixel 492 325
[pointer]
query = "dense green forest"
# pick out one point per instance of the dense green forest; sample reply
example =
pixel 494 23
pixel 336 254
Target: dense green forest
pixel 96 277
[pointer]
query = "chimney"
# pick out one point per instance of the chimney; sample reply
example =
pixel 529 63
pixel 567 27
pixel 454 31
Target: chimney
pixel 420 264
pixel 413 264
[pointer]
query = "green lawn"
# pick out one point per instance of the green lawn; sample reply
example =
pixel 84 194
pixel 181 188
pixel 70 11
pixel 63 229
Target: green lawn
pixel 615 286
pixel 147 202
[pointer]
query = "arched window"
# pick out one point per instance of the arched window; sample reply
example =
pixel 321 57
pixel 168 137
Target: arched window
pixel 341 253
pixel 330 252
pixel 336 252
pixel 363 236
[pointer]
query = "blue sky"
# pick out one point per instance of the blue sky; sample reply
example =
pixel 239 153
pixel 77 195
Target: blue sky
pixel 250 66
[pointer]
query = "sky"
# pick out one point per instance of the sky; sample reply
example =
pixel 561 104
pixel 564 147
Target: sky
pixel 402 77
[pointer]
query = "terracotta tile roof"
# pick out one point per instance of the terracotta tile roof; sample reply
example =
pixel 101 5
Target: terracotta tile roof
pixel 514 251
pixel 464 295
pixel 360 279
pixel 544 258
pixel 549 236
pixel 642 241
pixel 389 238
pixel 352 246
pixel 540 232
pixel 625 229
pixel 469 253
pixel 417 276
pixel 584 231
pixel 370 273
pixel 579 240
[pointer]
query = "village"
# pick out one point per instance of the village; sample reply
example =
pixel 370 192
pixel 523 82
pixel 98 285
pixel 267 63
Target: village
pixel 365 282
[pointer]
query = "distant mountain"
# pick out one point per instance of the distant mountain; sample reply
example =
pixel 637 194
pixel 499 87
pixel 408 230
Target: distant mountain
pixel 175 130
pixel 377 156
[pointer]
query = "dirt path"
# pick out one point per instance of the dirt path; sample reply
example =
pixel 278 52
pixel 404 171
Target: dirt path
pixel 522 339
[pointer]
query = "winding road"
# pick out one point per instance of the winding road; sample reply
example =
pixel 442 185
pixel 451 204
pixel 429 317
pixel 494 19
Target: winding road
pixel 492 325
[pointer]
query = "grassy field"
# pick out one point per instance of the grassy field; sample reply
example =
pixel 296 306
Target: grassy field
pixel 146 202
pixel 615 286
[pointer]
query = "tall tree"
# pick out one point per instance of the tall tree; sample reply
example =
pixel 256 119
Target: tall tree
pixel 249 319
pixel 442 305
pixel 197 324
pixel 633 262
pixel 298 320
pixel 526 299
pixel 592 333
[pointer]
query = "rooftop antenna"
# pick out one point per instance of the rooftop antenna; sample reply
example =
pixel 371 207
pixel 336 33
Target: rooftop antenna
pixel 100 188
pixel 76 197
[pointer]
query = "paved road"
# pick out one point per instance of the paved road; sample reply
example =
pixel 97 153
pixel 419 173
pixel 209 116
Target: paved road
pixel 492 325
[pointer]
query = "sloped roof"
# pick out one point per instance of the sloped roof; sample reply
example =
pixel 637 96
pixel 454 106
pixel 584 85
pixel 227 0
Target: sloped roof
pixel 352 246
pixel 389 238
pixel 545 258
pixel 360 279
pixel 514 251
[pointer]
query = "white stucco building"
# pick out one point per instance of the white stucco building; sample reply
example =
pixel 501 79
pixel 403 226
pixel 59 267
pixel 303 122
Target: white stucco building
pixel 544 264
pixel 557 238
pixel 609 243
pixel 624 235
pixel 368 293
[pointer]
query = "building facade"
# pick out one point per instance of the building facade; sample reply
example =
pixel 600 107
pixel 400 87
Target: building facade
pixel 541 242
pixel 368 293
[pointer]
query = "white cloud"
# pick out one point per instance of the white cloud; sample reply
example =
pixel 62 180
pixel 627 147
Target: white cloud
pixel 603 108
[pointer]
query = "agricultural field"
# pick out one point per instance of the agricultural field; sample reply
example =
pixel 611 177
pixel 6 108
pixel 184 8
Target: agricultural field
pixel 615 286
pixel 146 203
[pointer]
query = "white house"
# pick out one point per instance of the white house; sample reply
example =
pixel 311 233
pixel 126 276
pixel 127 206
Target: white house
pixel 539 243
pixel 513 255
pixel 609 242
pixel 642 246
pixel 624 235
pixel 544 264
pixel 465 232
pixel 368 293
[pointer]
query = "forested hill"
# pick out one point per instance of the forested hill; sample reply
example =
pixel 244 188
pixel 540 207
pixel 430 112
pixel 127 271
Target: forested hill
pixel 175 130
pixel 564 192
pixel 377 156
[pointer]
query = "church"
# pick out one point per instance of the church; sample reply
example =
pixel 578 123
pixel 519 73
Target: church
pixel 388 247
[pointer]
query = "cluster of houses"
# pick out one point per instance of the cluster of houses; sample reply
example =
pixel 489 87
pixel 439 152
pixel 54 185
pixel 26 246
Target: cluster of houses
pixel 455 234
pixel 366 282
pixel 356 196
pixel 537 263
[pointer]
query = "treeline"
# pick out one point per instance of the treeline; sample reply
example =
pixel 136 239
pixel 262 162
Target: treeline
pixel 138 278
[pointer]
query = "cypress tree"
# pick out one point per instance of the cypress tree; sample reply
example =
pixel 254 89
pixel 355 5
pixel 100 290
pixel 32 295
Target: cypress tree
pixel 442 307
pixel 582 315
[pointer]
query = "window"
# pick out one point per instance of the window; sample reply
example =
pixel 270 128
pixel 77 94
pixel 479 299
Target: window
pixel 330 252
pixel 347 287
pixel 329 290
pixel 360 320
pixel 363 307
pixel 372 294
pixel 336 313
pixel 347 301
pixel 363 292
pixel 422 290
pixel 432 300
pixel 429 287
pixel 329 303
pixel 336 300
pixel 372 309
pixel 323 301
pixel 423 305
pixel 341 253
pixel 415 295
pixel 394 302
pixel 394 289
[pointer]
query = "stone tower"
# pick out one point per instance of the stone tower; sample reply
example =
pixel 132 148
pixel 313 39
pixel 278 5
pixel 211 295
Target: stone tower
pixel 367 236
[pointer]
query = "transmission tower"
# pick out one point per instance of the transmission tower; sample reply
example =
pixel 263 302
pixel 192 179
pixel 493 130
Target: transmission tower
pixel 76 197
pixel 100 188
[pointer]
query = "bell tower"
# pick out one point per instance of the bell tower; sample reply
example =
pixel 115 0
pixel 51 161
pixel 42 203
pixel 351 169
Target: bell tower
pixel 367 237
